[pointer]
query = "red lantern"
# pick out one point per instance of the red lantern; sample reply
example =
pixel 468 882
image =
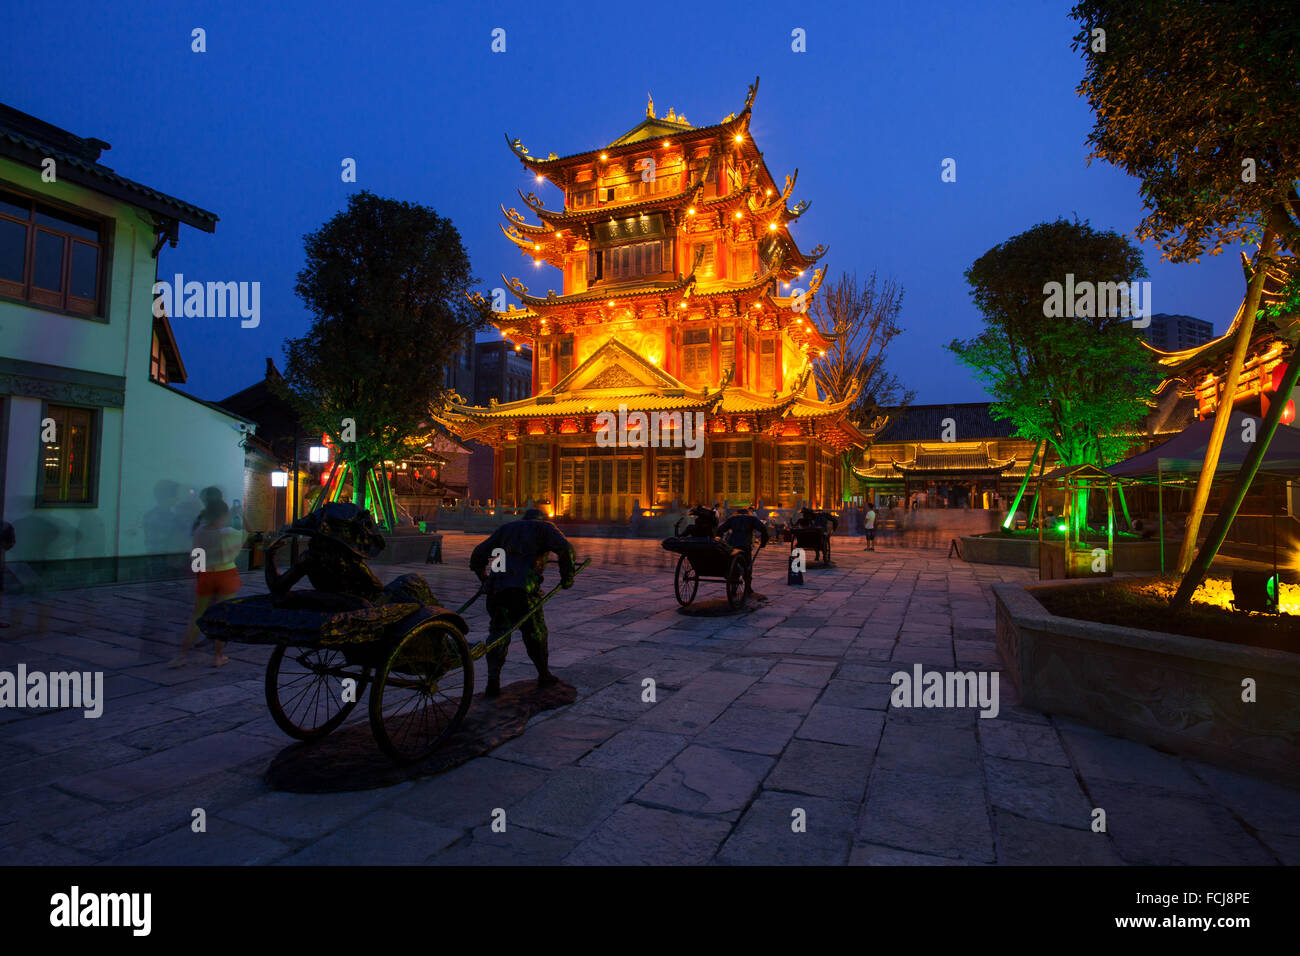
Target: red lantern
pixel 1288 413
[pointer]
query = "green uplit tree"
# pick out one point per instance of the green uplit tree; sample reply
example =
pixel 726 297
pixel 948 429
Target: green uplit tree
pixel 388 284
pixel 1081 384
pixel 1201 102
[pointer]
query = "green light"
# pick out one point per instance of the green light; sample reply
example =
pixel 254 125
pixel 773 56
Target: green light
pixel 1061 527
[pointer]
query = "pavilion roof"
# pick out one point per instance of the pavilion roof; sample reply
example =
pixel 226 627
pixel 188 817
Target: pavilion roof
pixel 971 420
pixel 758 196
pixel 1212 357
pixel 633 140
pixel 970 457
pixel 615 375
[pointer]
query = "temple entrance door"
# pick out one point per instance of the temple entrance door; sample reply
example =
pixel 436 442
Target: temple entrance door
pixel 596 485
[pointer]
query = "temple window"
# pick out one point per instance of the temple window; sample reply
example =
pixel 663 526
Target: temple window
pixel 742 264
pixel 791 470
pixel 508 479
pixel 726 348
pixel 767 364
pixel 696 356
pixel 634 261
pixel 564 356
pixel 703 252
pixel 629 476
pixel 670 475
pixel 732 470
pixel 537 473
pixel 544 366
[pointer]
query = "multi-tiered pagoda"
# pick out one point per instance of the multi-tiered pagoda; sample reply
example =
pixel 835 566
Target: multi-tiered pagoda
pixel 683 291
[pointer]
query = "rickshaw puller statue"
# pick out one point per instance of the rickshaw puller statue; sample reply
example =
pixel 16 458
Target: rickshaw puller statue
pixel 515 589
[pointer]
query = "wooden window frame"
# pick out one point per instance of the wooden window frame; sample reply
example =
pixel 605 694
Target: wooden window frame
pixel 62 300
pixel 93 454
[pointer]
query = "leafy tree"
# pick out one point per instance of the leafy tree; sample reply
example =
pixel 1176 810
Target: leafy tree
pixel 860 321
pixel 388 285
pixel 1081 383
pixel 1201 101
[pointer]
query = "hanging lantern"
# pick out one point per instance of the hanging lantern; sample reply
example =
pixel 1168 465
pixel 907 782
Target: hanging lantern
pixel 1288 413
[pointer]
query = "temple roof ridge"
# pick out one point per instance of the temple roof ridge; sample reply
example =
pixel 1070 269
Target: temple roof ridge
pixel 642 132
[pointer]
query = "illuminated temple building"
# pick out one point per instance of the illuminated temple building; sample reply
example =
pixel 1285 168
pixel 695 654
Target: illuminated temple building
pixel 683 292
pixel 1201 371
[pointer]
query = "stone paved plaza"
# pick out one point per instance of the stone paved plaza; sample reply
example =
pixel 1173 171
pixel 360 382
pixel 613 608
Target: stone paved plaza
pixel 783 707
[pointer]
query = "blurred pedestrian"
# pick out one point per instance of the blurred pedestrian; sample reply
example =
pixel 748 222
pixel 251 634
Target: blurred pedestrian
pixel 207 498
pixel 218 546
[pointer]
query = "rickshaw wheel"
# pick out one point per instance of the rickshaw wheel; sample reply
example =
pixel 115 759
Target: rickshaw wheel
pixel 685 582
pixel 422 691
pixel 735 583
pixel 304 690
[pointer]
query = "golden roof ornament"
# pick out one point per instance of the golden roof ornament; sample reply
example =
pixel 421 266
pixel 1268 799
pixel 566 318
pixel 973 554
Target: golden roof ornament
pixel 650 107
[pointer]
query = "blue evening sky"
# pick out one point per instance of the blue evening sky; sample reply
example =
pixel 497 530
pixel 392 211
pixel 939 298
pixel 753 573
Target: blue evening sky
pixel 255 130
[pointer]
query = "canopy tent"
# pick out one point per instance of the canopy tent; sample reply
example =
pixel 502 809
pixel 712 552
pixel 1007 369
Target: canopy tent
pixel 1185 452
pixel 1179 459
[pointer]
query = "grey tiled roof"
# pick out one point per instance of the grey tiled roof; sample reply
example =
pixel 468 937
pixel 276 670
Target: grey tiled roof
pixel 926 423
pixel 29 140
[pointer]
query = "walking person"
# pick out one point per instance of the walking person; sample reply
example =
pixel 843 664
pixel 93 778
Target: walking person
pixel 869 526
pixel 219 546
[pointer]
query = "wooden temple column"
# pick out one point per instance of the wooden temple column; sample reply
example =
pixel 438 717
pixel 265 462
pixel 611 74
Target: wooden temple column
pixel 810 479
pixel 519 471
pixel 648 478
pixel 705 462
pixel 498 460
pixel 555 478
pixel 688 481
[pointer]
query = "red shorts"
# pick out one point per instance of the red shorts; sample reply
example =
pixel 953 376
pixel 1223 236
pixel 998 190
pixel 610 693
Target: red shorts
pixel 217 583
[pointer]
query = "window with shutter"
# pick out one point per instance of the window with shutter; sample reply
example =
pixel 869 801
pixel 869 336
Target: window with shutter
pixel 696 356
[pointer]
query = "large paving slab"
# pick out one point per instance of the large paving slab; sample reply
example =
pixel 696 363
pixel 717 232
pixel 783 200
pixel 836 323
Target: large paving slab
pixel 762 737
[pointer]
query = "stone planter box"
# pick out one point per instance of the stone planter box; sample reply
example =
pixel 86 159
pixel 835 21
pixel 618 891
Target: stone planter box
pixel 1181 694
pixel 1023 552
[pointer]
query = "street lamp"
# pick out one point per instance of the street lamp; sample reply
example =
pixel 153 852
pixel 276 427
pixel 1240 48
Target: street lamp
pixel 279 479
pixel 318 454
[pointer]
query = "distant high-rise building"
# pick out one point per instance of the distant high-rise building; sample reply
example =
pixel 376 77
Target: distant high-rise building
pixel 1173 333
pixel 459 373
pixel 502 371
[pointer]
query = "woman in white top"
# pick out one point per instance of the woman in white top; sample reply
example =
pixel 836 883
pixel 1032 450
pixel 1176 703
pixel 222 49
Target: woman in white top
pixel 218 547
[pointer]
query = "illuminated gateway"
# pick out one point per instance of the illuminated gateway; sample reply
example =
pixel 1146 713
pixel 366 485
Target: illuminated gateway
pixel 681 293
